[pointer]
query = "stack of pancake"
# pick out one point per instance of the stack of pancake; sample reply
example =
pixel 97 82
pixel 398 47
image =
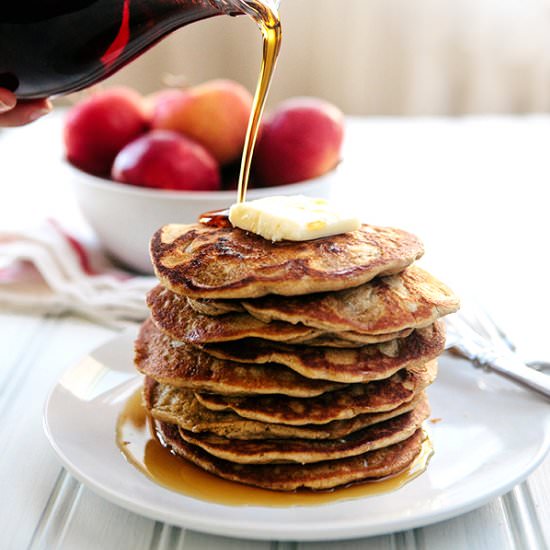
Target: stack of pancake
pixel 293 364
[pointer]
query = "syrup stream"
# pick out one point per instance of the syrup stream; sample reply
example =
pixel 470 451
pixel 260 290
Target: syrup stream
pixel 267 19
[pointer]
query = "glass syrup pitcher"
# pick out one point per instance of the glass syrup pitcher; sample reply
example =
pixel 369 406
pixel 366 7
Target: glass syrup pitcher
pixel 54 47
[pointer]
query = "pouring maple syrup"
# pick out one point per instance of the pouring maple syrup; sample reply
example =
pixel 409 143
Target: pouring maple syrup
pixel 137 442
pixel 270 26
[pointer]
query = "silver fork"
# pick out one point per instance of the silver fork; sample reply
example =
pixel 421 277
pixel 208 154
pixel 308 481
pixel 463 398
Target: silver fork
pixel 499 338
pixel 493 351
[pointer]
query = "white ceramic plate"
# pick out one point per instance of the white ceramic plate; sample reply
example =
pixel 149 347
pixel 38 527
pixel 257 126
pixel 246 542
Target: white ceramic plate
pixel 490 437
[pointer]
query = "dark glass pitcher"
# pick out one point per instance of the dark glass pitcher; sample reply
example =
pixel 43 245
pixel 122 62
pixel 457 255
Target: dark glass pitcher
pixel 53 47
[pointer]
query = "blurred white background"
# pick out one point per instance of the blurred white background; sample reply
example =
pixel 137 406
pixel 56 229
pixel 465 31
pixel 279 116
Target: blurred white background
pixel 383 57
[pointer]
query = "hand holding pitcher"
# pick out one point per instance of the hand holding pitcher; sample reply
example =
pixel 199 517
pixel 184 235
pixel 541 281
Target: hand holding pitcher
pixel 13 113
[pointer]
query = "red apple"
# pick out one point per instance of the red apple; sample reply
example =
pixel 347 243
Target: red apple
pixel 214 113
pixel 167 160
pixel 100 126
pixel 302 139
pixel 161 104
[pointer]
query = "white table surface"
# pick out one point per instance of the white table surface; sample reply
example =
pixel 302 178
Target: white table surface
pixel 475 190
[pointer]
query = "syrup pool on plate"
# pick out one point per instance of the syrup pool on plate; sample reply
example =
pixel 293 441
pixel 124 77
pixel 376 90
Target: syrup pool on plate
pixel 137 442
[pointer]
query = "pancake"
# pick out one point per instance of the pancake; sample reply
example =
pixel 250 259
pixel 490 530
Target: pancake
pixel 306 451
pixel 175 317
pixel 184 366
pixel 410 299
pixel 329 341
pixel 290 477
pixel 372 362
pixel 376 396
pixel 349 338
pixel 210 306
pixel 179 406
pixel 207 262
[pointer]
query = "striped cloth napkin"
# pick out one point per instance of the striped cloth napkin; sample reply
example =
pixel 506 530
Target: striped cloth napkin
pixel 47 270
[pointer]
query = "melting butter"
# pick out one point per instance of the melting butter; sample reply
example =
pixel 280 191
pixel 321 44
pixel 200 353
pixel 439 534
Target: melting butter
pixel 294 218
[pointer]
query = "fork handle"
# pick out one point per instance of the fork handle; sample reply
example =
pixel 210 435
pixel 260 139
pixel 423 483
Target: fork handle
pixel 510 367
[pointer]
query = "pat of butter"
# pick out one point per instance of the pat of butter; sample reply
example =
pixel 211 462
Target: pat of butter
pixel 295 218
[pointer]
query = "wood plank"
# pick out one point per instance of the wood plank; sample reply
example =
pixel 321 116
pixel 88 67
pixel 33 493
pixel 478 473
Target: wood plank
pixel 96 523
pixel 386 542
pixel 482 529
pixel 30 468
pixel 539 492
pixel 192 540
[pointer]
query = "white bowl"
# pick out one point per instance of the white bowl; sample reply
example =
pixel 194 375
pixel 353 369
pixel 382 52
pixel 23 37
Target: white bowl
pixel 124 217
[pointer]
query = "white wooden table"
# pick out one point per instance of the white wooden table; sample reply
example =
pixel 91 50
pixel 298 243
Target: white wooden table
pixel 475 190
